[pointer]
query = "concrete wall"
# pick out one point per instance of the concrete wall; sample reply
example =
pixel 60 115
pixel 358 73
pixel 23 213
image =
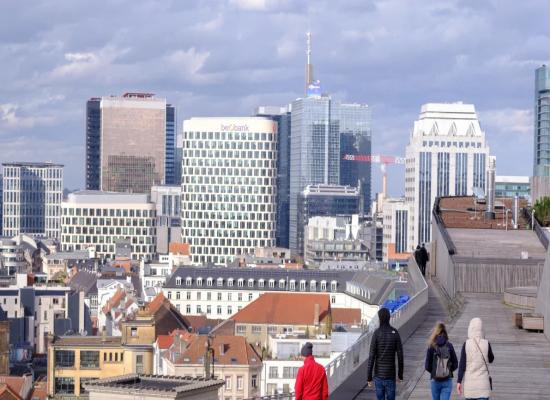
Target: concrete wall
pixel 543 296
pixel 441 262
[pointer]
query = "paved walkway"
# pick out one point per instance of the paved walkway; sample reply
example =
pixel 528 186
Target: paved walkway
pixel 522 359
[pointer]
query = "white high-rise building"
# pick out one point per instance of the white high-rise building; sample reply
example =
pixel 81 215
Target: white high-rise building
pixel 447 156
pixel 398 241
pixel 32 194
pixel 228 186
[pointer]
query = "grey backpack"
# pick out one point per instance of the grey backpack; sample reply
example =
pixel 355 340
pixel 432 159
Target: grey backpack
pixel 442 357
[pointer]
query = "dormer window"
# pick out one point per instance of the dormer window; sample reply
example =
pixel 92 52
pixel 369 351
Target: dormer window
pixel 178 281
pixel 302 286
pixel 271 283
pixel 220 281
pixel 230 282
pixel 209 282
pixel 281 284
pixel 333 286
pixel 199 281
pixel 188 281
pixel 240 282
pixel 324 286
pixel 313 286
pixel 261 283
pixel 292 284
pixel 251 283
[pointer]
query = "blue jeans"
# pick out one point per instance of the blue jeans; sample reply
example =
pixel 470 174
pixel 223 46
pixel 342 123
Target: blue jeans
pixel 441 390
pixel 479 398
pixel 385 389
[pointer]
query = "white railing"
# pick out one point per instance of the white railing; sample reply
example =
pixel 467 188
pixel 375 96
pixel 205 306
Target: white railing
pixel 343 366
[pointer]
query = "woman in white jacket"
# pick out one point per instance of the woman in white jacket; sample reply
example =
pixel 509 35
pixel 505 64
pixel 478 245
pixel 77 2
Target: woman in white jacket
pixel 474 378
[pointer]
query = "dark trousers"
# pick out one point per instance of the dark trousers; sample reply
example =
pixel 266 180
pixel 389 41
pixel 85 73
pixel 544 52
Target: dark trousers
pixel 422 267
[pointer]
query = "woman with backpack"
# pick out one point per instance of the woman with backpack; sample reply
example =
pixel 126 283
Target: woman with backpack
pixel 441 361
pixel 474 378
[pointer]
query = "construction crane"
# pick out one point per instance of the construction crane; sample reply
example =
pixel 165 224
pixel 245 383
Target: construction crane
pixel 377 159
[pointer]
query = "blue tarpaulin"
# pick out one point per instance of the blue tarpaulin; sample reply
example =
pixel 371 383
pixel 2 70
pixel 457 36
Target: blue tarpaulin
pixel 393 305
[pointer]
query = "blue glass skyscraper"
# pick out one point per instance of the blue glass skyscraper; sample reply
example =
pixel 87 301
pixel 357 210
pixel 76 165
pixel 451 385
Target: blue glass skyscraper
pixel 542 122
pixel 316 127
pixel 170 161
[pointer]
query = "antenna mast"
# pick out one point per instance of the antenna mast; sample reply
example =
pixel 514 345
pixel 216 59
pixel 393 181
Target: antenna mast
pixel 309 66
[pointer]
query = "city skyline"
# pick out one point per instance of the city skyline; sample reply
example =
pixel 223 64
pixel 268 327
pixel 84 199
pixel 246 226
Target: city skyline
pixel 50 70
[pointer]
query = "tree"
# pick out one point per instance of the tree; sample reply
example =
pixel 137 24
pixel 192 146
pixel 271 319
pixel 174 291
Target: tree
pixel 328 325
pixel 542 210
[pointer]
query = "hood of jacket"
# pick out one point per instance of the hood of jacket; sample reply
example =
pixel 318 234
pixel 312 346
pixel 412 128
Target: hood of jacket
pixel 475 329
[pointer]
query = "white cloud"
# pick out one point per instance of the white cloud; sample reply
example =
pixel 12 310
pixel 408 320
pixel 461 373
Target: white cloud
pixel 188 64
pixel 82 64
pixel 10 118
pixel 260 5
pixel 507 121
pixel 209 26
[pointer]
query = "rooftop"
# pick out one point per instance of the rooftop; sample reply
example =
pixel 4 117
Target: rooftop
pixel 87 341
pixel 134 384
pixel 101 197
pixel 284 309
pixel 32 164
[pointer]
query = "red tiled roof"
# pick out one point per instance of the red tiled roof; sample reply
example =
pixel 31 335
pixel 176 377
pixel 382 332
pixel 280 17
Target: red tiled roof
pixel 7 393
pixel 114 301
pixel 179 248
pixel 284 309
pixel 165 341
pixel 228 350
pixel 348 316
pixel 156 303
pixel 15 383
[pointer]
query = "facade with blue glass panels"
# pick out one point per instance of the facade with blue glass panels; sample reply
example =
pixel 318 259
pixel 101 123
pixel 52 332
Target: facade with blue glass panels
pixel 540 185
pixel 446 156
pixel 170 177
pixel 315 153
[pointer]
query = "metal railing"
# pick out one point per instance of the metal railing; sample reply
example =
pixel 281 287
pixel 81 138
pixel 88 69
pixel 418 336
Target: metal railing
pixel 280 396
pixel 342 367
pixel 536 227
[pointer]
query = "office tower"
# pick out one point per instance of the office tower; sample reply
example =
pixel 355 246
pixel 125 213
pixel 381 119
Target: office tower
pixel 355 140
pixel 32 194
pixel 511 186
pixel 397 241
pixel 1 202
pixel 100 219
pixel 327 201
pixel 447 155
pixel 167 199
pixel 228 186
pixel 178 155
pixel 541 160
pixel 315 154
pixel 130 143
pixel 282 116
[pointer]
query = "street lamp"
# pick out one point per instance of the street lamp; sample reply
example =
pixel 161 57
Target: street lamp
pixel 507 211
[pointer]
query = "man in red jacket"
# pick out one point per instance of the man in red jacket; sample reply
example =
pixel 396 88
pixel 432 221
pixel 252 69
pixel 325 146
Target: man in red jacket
pixel 311 382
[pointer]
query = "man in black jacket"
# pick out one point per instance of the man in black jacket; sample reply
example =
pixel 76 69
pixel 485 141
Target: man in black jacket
pixel 385 344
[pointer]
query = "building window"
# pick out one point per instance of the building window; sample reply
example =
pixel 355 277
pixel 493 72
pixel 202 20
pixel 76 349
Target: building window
pixel 188 295
pixel 240 283
pixel 323 286
pixel 292 284
pixel 281 284
pixel 251 283
pixel 312 286
pixel 177 295
pixel 139 364
pixel 169 295
pixel 230 282
pixel 209 309
pixel 240 382
pixel 220 281
pixel 188 308
pixel 290 372
pixel 302 286
pixel 229 310
pixel 219 296
pixel 241 329
pixel 64 385
pixel 199 281
pixel 219 310
pixel 89 359
pixel 64 358
pixel 272 330
pixel 188 281
pixel 333 286
pixel 228 383
pixel 256 329
pixel 178 281
pixel 133 332
pixel 261 283
pixel 239 296
pixel 250 296
pixel 271 283
pixel 254 382
pixel 273 372
pixel 209 282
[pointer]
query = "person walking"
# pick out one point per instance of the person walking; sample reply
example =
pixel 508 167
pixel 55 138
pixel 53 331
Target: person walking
pixel 417 257
pixel 474 377
pixel 441 362
pixel 424 257
pixel 384 347
pixel 311 381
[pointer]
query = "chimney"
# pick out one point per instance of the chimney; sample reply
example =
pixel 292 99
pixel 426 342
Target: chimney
pixel 490 185
pixel 316 312
pixel 222 349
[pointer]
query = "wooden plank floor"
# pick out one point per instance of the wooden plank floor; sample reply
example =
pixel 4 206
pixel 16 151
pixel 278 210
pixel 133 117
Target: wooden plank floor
pixel 522 359
pixel 414 348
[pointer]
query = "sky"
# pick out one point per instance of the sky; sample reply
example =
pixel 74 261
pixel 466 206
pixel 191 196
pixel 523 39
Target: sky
pixel 226 57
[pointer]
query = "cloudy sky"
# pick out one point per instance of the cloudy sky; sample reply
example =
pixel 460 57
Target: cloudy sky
pixel 225 57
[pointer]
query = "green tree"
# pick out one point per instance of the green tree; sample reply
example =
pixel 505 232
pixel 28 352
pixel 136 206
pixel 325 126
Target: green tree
pixel 542 210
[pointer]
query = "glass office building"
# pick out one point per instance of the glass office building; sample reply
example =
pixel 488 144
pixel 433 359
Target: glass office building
pixel 315 153
pixel 31 198
pixel 130 143
pixel 542 122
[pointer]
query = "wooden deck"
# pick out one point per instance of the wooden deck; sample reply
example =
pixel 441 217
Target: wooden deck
pixel 522 359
